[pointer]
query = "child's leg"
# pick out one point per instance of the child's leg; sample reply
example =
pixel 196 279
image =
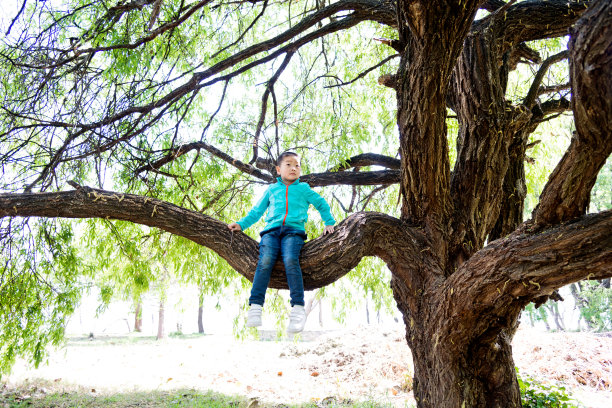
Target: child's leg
pixel 269 246
pixel 291 245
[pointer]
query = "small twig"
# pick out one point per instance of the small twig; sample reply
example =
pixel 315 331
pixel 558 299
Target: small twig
pixel 364 73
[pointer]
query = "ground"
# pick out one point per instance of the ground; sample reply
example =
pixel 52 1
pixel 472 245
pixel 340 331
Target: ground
pixel 368 362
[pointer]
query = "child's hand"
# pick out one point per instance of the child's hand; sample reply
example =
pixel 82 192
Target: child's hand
pixel 328 229
pixel 234 226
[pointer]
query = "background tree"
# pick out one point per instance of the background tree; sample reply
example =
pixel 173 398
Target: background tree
pixel 160 95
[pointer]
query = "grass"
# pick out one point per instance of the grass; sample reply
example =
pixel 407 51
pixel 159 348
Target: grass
pixel 154 399
pixel 40 394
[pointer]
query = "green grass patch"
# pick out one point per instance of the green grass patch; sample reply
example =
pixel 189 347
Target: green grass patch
pixel 152 399
pixel 84 341
pixel 40 394
pixel 535 394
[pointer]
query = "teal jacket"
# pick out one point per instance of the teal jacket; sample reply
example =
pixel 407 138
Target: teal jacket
pixel 287 205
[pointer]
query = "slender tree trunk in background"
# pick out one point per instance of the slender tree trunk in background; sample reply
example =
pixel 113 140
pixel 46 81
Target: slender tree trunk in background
pixel 138 318
pixel 161 332
pixel 321 312
pixel 201 312
pixel 312 303
pixel 580 301
pixel 553 308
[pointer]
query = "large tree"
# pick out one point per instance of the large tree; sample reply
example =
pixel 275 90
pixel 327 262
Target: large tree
pixel 98 84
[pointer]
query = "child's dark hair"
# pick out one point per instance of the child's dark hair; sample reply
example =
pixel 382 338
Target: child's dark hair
pixel 285 154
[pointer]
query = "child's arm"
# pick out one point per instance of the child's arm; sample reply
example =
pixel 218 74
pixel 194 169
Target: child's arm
pixel 254 215
pixel 323 208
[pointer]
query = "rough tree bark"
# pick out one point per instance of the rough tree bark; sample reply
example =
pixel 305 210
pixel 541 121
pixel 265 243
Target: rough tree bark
pixel 567 194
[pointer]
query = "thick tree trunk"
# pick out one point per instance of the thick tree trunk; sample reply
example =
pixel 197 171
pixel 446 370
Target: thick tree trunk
pixel 484 376
pixel 479 373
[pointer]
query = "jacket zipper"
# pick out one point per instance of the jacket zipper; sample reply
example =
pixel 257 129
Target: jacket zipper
pixel 286 203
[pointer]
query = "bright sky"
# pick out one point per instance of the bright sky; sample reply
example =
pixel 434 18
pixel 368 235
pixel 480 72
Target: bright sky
pixel 9 10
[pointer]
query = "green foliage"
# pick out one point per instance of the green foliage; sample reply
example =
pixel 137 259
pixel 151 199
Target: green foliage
pixel 39 290
pixel 595 304
pixel 601 194
pixel 535 394
pixel 536 315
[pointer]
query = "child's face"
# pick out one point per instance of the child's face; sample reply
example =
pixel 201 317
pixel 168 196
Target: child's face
pixel 289 169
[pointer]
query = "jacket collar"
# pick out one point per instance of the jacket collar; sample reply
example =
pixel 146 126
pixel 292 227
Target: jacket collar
pixel 280 180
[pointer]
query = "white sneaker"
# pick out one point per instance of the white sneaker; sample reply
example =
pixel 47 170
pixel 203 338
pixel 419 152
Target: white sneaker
pixel 297 319
pixel 254 316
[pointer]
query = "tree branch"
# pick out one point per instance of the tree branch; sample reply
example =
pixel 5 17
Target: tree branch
pixel 368 159
pixel 567 193
pixel 8 31
pixel 549 107
pixel 365 178
pixel 364 73
pixel 264 104
pixel 537 19
pixel 181 150
pixel 553 88
pixel 534 264
pixel 362 10
pixel 537 81
pixel 323 260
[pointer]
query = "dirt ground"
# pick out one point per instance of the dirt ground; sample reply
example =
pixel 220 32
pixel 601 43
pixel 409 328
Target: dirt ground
pixel 369 362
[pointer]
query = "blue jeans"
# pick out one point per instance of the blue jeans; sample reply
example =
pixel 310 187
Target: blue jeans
pixel 288 242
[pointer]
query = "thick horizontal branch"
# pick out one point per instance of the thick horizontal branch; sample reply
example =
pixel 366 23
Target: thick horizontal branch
pixel 553 88
pixel 366 178
pixel 549 107
pixel 503 277
pixel 369 159
pixel 539 19
pixel 323 260
pixel 492 5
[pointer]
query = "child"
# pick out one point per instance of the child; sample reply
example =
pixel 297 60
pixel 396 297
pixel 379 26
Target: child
pixel 287 202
